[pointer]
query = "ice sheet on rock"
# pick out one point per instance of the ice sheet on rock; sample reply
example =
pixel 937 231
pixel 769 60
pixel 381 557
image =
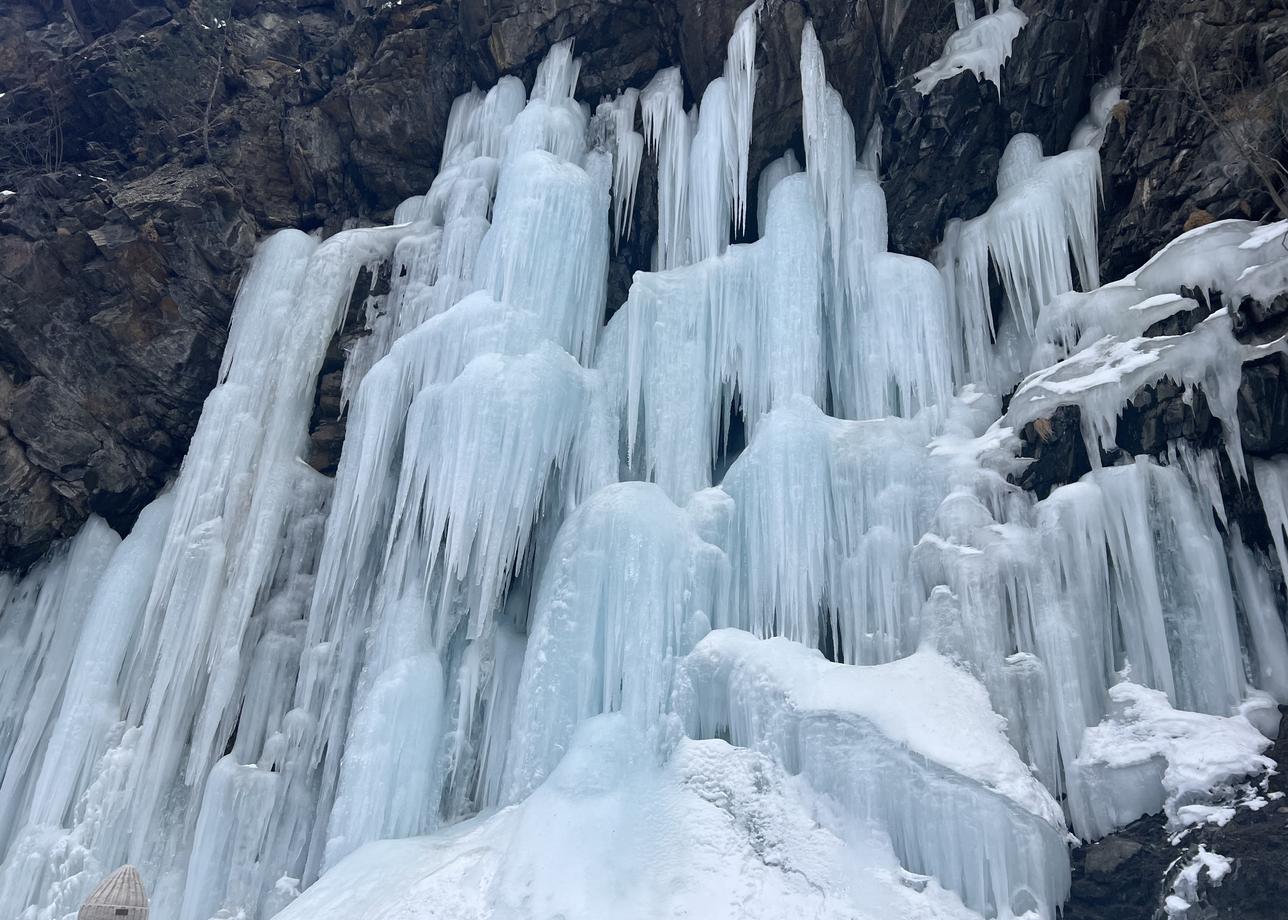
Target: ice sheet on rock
pixel 1255 595
pixel 825 515
pixel 1271 476
pixel 624 596
pixel 731 834
pixel 1146 755
pixel 980 45
pixel 1187 888
pixel 910 744
pixel 1102 377
pixel 41 620
pixel 747 322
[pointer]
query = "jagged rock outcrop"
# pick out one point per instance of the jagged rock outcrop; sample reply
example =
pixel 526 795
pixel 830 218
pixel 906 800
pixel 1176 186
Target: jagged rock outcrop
pixel 1203 125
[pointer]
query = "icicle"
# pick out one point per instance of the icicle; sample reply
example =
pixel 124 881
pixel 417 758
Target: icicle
pixel 826 514
pixel 547 249
pixel 740 75
pixel 1045 207
pixel 90 704
pixel 702 167
pixel 628 152
pixel 42 620
pixel 666 128
pixel 873 293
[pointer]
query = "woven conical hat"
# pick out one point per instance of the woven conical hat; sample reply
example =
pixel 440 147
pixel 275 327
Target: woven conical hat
pixel 123 889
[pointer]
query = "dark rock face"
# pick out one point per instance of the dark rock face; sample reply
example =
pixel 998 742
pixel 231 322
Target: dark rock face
pixel 1127 875
pixel 1204 118
pixel 148 146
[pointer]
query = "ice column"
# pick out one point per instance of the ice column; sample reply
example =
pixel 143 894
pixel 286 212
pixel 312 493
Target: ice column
pixel 889 340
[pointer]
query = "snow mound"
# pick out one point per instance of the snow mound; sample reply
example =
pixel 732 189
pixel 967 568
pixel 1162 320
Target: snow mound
pixel 723 832
pixel 1146 755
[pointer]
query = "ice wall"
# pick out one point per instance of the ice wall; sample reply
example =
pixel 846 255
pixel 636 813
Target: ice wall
pixel 726 606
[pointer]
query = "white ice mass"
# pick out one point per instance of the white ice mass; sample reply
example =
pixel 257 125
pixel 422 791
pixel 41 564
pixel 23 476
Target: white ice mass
pixel 552 643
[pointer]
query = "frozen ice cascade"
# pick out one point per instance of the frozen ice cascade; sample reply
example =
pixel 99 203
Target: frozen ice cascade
pixel 553 642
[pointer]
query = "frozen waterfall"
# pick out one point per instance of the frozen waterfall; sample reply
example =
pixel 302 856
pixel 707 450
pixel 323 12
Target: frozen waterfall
pixel 553 642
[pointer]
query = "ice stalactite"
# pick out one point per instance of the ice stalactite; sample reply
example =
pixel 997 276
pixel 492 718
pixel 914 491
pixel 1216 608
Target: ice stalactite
pixel 825 514
pixel 441 504
pixel 980 45
pixel 1105 96
pixel 702 155
pixel 618 115
pixel 42 618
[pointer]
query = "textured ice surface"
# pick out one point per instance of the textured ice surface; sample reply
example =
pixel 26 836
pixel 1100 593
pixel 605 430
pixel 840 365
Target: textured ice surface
pixel 1226 256
pixel 980 45
pixel 479 637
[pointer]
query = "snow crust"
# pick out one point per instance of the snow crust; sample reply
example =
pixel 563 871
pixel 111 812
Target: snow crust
pixel 724 831
pixel 1142 740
